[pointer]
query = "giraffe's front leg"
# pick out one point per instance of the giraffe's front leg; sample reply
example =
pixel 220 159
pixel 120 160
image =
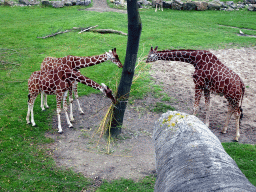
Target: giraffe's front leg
pixel 208 105
pixel 28 114
pixel 229 114
pixel 76 96
pixel 198 94
pixel 30 110
pixel 156 8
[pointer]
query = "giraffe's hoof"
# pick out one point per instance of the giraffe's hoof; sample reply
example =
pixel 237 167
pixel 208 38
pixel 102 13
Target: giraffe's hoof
pixel 33 125
pixel 71 126
pixel 223 131
pixel 60 132
pixel 81 113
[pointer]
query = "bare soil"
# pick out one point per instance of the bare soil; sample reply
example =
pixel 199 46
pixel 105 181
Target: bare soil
pixel 132 156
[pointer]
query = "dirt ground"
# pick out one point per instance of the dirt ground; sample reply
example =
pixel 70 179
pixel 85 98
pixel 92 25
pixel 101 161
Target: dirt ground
pixel 132 156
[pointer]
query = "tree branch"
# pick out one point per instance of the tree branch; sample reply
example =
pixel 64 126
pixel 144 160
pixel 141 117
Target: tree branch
pixel 87 29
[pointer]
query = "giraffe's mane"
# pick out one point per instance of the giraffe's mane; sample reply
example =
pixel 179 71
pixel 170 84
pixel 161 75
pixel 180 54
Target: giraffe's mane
pixel 173 50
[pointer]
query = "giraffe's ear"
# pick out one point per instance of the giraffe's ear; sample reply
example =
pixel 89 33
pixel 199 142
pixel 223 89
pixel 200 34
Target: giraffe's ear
pixel 156 48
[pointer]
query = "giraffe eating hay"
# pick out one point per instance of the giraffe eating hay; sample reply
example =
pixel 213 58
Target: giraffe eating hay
pixel 58 82
pixel 75 62
pixel 210 75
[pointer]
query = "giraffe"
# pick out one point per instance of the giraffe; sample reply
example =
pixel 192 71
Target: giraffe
pixel 210 76
pixel 75 62
pixel 160 3
pixel 58 82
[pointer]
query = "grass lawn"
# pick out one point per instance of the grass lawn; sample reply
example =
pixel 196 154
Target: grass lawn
pixel 25 164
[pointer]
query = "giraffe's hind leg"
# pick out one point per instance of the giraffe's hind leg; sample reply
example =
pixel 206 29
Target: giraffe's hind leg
pixel 237 116
pixel 44 101
pixel 71 106
pixel 208 106
pixel 65 107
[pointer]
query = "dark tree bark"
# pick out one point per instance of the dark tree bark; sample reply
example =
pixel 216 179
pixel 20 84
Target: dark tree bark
pixel 134 31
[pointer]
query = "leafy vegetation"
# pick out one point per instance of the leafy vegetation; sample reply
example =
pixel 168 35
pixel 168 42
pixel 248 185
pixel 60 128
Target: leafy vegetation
pixel 25 162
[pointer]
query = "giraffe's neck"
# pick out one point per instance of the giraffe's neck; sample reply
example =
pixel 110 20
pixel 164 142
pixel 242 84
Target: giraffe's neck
pixel 78 77
pixel 82 62
pixel 193 57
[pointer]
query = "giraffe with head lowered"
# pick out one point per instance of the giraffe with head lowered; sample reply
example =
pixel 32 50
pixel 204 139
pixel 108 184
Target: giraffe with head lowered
pixel 210 75
pixel 58 82
pixel 76 63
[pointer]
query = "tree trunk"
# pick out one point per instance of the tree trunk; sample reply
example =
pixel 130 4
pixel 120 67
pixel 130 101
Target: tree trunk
pixel 134 31
pixel 189 157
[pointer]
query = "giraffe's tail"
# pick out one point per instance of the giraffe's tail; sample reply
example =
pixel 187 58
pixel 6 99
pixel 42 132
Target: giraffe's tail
pixel 241 110
pixel 28 97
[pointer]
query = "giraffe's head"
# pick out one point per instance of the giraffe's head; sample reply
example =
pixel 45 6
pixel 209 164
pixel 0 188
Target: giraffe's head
pixel 112 56
pixel 108 92
pixel 152 56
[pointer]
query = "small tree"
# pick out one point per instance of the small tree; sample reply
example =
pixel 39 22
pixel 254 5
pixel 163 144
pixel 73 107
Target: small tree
pixel 134 31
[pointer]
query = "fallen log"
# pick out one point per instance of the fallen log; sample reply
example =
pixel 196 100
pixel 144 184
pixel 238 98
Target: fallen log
pixel 108 31
pixel 189 157
pixel 87 29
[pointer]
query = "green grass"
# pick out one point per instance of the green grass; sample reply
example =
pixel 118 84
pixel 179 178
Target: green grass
pixel 245 157
pixel 25 162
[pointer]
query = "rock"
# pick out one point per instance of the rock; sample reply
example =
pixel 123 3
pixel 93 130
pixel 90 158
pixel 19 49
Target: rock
pixel 145 2
pixel 214 6
pixel 57 4
pixel 189 6
pixel 8 3
pixel 250 1
pixel 177 5
pixel 201 6
pixel 24 2
pixel 167 4
pixel 46 3
pixel 229 9
pixel 153 3
pixel 67 3
pixel 189 157
pixel 73 2
pixel 139 4
pixel 85 2
pixel 240 6
pixel 252 7
pixel 229 3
